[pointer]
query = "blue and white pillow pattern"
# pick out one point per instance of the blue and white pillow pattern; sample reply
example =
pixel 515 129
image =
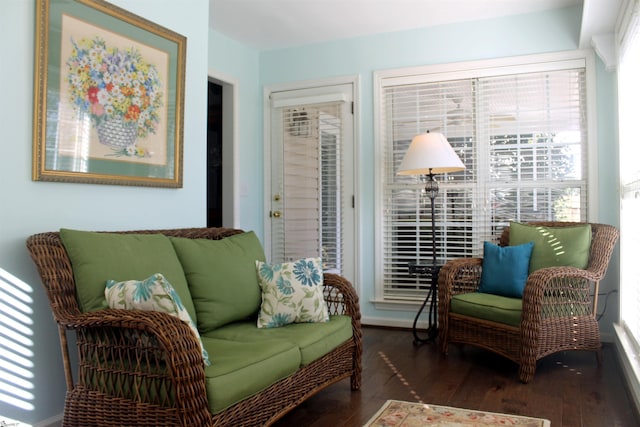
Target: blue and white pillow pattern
pixel 291 293
pixel 152 294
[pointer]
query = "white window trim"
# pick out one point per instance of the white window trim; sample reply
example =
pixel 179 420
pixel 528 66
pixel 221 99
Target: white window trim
pixel 626 345
pixel 482 68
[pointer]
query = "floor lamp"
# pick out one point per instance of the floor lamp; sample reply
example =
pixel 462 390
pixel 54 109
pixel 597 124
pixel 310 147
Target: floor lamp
pixel 430 154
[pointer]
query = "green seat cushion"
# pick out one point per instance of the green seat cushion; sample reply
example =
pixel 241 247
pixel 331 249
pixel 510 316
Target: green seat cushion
pixel 98 257
pixel 242 369
pixel 491 307
pixel 314 339
pixel 222 277
pixel 553 246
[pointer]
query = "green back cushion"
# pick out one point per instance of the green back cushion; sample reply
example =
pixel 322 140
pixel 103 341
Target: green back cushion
pixel 222 277
pixel 98 257
pixel 505 269
pixel 553 246
pixel 495 308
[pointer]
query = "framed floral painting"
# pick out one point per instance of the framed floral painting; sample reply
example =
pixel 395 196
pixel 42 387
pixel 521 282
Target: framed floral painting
pixel 108 98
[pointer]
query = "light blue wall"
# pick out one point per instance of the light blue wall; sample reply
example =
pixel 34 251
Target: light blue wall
pixel 227 57
pixel 536 33
pixel 28 207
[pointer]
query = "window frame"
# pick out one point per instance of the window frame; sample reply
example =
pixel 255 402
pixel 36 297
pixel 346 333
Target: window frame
pixel 468 70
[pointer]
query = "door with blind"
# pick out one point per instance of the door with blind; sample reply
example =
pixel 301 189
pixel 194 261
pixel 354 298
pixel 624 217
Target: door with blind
pixel 311 192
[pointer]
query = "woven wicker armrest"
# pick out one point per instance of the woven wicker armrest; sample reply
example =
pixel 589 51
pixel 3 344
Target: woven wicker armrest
pixel 559 292
pixel 169 333
pixel 341 298
pixel 126 353
pixel 459 276
pixel 340 295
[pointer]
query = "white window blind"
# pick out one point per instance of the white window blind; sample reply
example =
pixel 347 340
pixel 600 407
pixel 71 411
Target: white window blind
pixel 311 185
pixel 629 105
pixel 522 138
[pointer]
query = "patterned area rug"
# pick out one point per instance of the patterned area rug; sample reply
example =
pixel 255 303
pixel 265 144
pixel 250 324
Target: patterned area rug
pixel 395 413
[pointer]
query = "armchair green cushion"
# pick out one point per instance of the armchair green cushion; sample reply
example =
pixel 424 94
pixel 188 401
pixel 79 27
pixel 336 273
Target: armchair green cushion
pixel 491 307
pixel 553 246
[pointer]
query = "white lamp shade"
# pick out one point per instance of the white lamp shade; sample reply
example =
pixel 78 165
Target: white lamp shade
pixel 430 153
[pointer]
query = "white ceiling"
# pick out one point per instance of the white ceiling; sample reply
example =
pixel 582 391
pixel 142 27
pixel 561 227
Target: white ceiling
pixel 276 24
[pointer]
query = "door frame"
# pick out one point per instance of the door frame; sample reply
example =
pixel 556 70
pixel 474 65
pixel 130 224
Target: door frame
pixel 230 176
pixel 354 81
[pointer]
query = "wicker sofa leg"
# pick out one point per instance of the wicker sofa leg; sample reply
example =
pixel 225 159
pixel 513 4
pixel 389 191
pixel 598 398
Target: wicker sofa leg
pixel 526 371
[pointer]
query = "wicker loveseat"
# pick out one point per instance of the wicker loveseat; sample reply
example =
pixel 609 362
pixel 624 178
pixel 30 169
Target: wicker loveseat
pixel 556 312
pixel 145 368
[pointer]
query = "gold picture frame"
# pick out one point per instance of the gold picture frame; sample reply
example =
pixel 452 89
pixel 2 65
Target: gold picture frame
pixel 108 96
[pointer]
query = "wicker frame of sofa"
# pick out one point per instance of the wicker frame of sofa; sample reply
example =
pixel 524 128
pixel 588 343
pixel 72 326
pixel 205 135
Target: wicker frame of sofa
pixel 549 322
pixel 162 382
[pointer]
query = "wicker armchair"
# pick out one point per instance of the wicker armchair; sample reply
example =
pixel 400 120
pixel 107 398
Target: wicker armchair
pixel 558 306
pixel 120 382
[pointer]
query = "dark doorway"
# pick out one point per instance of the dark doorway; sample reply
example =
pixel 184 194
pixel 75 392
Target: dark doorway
pixel 214 156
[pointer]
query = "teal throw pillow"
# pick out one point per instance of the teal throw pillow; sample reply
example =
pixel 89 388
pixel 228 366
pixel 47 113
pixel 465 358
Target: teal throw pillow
pixel 292 292
pixel 152 294
pixel 98 257
pixel 505 269
pixel 222 277
pixel 554 246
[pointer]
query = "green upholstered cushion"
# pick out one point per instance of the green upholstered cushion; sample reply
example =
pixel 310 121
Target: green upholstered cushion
pixel 505 269
pixel 222 277
pixel 553 246
pixel 314 339
pixel 242 369
pixel 98 257
pixel 488 307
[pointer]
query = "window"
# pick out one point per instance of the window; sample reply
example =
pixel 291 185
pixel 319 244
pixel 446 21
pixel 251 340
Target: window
pixel 311 187
pixel 629 103
pixel 520 130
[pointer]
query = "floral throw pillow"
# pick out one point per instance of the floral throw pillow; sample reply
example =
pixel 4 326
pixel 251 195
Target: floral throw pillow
pixel 152 294
pixel 291 293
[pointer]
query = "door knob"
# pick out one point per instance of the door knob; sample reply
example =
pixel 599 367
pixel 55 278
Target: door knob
pixel 276 214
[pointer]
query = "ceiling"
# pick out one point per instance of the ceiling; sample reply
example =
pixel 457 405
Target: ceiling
pixel 276 24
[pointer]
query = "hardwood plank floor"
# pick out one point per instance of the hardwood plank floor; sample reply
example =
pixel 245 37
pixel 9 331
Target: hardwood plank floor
pixel 569 388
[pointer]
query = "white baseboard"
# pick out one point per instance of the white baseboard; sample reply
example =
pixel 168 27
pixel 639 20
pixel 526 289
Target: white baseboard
pixel 629 358
pixel 392 323
pixel 55 421
pixel 422 324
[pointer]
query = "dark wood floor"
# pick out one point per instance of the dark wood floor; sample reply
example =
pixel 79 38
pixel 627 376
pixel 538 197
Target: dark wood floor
pixel 569 388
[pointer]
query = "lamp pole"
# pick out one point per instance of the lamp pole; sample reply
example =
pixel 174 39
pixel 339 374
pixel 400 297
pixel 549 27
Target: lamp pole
pixel 431 190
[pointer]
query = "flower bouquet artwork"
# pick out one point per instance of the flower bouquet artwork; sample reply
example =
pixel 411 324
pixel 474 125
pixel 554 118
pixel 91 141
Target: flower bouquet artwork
pixel 109 96
pixel 119 90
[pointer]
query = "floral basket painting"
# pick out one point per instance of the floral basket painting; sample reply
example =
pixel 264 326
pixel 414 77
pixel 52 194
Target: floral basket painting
pixel 109 96
pixel 119 91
